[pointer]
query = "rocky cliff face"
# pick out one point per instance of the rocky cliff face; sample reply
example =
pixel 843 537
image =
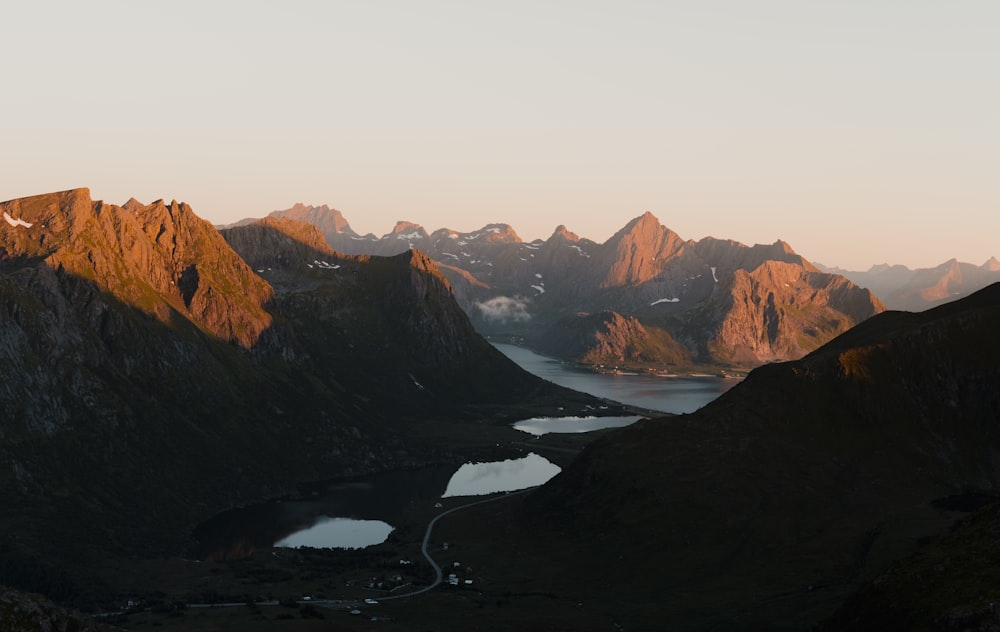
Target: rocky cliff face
pixel 610 340
pixel 782 310
pixel 639 252
pixel 159 258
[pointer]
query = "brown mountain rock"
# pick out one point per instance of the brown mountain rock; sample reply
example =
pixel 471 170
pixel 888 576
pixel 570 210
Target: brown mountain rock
pixel 725 302
pixel 158 258
pixel 639 251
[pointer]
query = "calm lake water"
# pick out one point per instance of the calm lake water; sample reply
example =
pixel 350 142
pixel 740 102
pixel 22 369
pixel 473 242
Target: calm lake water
pixel 478 479
pixel 341 533
pixel 373 499
pixel 544 425
pixel 673 394
pixel 361 513
pixel 356 514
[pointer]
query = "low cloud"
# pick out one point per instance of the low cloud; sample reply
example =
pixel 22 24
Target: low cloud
pixel 504 309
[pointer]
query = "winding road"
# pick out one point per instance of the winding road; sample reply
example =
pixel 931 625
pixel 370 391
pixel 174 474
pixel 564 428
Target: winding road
pixel 438 574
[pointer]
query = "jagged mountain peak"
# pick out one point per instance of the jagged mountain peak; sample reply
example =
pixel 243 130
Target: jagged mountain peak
pixel 646 228
pixel 561 232
pixel 329 220
pixel 495 233
pixel 645 223
pixel 161 259
pixel 783 246
pixel 639 250
pixel 418 259
pixel 407 230
pixel 882 267
pixel 133 205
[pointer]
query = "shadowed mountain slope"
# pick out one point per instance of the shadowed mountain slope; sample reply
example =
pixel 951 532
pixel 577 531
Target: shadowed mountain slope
pixel 951 583
pixel 152 378
pixel 766 508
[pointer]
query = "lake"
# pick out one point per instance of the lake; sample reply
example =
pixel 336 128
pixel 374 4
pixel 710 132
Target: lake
pixel 669 394
pixel 478 479
pixel 359 513
pixel 544 425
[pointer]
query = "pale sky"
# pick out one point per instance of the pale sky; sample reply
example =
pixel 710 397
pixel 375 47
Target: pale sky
pixel 859 131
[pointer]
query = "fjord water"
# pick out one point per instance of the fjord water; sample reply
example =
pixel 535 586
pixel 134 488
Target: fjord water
pixel 669 394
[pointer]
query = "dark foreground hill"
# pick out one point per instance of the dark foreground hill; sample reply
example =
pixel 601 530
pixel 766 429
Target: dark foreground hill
pixel 769 507
pixel 152 378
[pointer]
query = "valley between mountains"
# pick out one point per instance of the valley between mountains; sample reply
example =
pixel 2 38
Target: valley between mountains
pixel 159 370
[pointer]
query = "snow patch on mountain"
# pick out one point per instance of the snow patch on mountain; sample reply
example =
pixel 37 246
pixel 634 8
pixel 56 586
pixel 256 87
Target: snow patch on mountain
pixel 16 222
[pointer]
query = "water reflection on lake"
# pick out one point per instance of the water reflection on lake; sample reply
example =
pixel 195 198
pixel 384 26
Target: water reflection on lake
pixel 379 497
pixel 339 533
pixel 359 513
pixel 543 425
pixel 670 394
pixel 331 513
pixel 475 479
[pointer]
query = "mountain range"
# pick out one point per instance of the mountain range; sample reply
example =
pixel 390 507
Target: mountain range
pixel 157 372
pixel 644 298
pixel 916 290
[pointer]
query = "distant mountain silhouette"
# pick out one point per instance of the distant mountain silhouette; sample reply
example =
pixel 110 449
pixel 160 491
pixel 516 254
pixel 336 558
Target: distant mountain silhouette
pixel 916 290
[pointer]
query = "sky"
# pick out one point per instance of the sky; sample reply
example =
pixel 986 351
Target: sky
pixel 860 132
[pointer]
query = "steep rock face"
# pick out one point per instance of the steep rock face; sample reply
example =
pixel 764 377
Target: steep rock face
pixel 159 258
pixel 806 479
pixel 610 339
pixel 781 310
pixel 636 253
